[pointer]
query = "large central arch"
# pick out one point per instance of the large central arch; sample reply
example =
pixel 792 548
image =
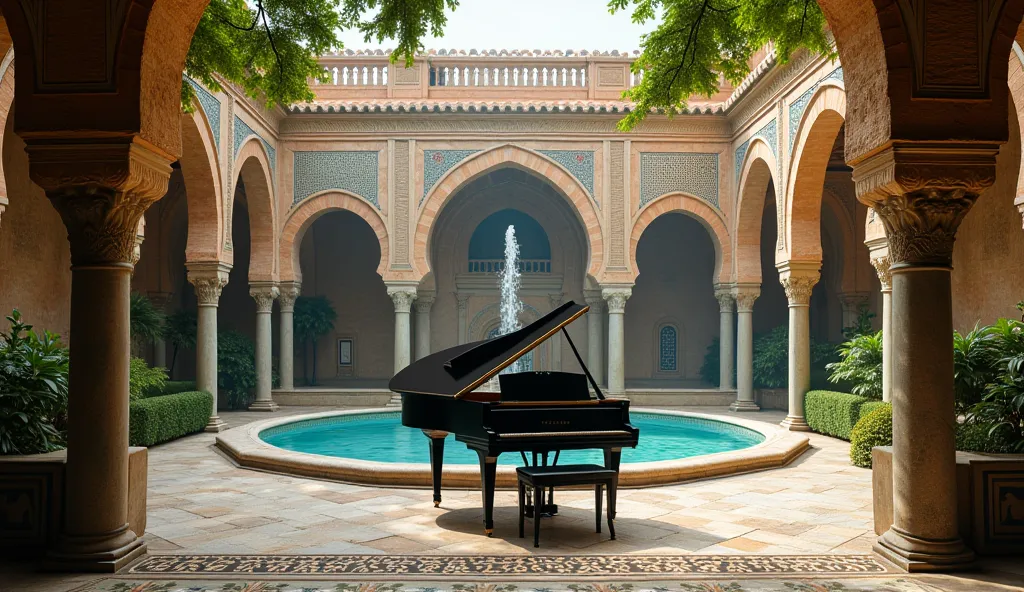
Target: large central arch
pixel 526 160
pixel 709 217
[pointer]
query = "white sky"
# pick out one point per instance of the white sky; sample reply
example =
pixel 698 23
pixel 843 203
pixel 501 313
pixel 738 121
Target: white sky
pixel 529 24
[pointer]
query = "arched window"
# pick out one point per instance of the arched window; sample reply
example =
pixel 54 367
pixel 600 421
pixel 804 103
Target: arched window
pixel 487 245
pixel 528 358
pixel 668 349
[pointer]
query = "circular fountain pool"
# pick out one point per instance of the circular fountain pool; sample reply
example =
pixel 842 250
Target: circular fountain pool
pixel 372 447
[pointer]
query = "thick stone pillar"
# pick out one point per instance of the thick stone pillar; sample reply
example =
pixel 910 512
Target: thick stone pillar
pixel 160 300
pixel 209 280
pixel 286 302
pixel 726 335
pixel 595 337
pixel 100 192
pixel 616 299
pixel 555 300
pixel 881 265
pixel 462 302
pixel 264 295
pixel 922 193
pixel 423 304
pixel 403 297
pixel 798 279
pixel 745 296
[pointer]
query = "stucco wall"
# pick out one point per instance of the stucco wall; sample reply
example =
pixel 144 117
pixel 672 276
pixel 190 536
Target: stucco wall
pixel 988 256
pixel 35 259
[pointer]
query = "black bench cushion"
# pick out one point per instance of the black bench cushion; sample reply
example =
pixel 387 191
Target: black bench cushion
pixel 565 475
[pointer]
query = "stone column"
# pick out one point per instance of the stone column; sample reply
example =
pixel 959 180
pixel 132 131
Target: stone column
pixel 922 192
pixel 798 279
pixel 289 293
pixel 462 302
pixel 555 300
pixel 160 300
pixel 209 280
pixel 881 265
pixel 616 299
pixel 595 337
pixel 745 296
pixel 423 304
pixel 726 310
pixel 100 192
pixel 403 297
pixel 264 295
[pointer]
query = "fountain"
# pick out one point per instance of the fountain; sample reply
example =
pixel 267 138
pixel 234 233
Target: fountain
pixel 510 306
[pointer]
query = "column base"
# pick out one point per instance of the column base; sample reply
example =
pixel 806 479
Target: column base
pixel 268 405
pixel 913 554
pixel 107 553
pixel 795 424
pixel 744 406
pixel 216 424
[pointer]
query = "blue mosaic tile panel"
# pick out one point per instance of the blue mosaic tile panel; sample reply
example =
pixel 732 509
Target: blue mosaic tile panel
pixel 695 173
pixel 438 162
pixel 580 163
pixel 210 105
pixel 797 107
pixel 769 132
pixel 242 133
pixel 667 339
pixel 352 171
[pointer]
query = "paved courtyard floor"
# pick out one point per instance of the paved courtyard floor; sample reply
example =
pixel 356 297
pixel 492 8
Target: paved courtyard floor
pixel 201 504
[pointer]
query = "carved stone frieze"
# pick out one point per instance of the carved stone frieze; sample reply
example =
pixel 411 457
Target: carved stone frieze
pixel 798 287
pixel 745 297
pixel 461 301
pixel 289 294
pixel 616 299
pixel 695 125
pixel 209 279
pixel 402 297
pixel 264 295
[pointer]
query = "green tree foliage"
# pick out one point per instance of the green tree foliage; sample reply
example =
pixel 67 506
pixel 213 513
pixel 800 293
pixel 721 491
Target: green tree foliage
pixel 144 381
pixel 236 368
pixel 405 21
pixel 146 322
pixel 771 358
pixel 698 42
pixel 860 364
pixel 314 318
pixel 33 389
pixel 180 330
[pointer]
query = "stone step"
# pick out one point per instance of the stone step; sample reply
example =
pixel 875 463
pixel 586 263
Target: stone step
pixel 395 401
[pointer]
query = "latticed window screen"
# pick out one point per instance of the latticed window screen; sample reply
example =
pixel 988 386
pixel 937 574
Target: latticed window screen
pixel 668 339
pixel 528 358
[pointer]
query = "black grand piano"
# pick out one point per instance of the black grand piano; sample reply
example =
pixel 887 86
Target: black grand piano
pixel 535 412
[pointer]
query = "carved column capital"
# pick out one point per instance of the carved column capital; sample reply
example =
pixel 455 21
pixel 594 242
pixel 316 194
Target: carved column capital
pixel 264 295
pixel 853 301
pixel 726 298
pixel 461 301
pixel 616 299
pixel 882 264
pixel 424 302
pixel 556 299
pixel 921 192
pixel 289 293
pixel 209 280
pixel 745 296
pixel 402 297
pixel 100 192
pixel 594 300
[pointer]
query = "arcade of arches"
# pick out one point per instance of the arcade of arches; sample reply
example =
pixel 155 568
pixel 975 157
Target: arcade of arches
pixel 386 194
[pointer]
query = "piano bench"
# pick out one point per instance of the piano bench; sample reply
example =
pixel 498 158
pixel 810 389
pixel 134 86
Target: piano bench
pixel 543 477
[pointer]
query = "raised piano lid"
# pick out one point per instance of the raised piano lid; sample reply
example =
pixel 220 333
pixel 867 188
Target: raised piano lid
pixel 458 370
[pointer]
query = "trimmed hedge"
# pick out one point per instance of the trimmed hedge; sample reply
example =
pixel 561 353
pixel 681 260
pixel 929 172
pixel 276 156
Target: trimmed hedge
pixel 172 387
pixel 161 419
pixel 873 429
pixel 834 414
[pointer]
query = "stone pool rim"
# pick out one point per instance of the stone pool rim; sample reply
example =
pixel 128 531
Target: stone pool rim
pixel 244 446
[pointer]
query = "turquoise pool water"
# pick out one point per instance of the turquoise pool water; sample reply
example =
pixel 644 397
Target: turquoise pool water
pixel 381 437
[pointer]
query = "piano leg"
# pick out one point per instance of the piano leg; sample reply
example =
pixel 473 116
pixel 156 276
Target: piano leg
pixel 612 460
pixel 488 473
pixel 436 460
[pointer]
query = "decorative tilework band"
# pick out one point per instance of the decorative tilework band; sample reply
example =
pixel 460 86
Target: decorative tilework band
pixel 352 171
pixel 438 162
pixel 579 163
pixel 211 106
pixel 769 133
pixel 797 107
pixel 695 173
pixel 242 133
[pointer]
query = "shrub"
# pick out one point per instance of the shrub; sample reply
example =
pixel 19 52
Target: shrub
pixel 711 369
pixel 979 437
pixel 314 317
pixel 771 358
pixel 860 364
pixel 161 419
pixel 144 381
pixel 833 414
pixel 180 330
pixel 33 390
pixel 146 322
pixel 175 386
pixel 236 368
pixel 973 357
pixel 873 429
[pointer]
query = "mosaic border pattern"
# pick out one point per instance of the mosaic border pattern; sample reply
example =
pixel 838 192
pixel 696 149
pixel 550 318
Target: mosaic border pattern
pixel 438 162
pixel 579 163
pixel 695 173
pixel 211 106
pixel 398 566
pixel 242 133
pixel 797 107
pixel 355 171
pixel 769 132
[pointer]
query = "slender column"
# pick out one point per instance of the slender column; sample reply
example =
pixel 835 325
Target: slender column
pixel 881 265
pixel 423 304
pixel 616 299
pixel 595 337
pixel 209 280
pixel 922 193
pixel 726 310
pixel 556 340
pixel 100 192
pixel 798 279
pixel 264 295
pixel 462 301
pixel 403 297
pixel 745 296
pixel 160 300
pixel 289 293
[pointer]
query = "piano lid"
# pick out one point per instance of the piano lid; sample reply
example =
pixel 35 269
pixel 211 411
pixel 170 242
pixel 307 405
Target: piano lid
pixel 458 370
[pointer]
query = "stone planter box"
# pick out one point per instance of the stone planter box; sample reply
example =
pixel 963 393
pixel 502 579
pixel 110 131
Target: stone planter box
pixel 32 498
pixel 990 499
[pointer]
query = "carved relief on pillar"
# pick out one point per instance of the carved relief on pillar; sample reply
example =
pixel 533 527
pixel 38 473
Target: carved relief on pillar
pixel 881 264
pixel 798 288
pixel 616 299
pixel 289 293
pixel 424 302
pixel 403 298
pixel 140 236
pixel 209 280
pixel 745 297
pixel 461 301
pixel 726 299
pixel 921 193
pixel 555 300
pixel 264 295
